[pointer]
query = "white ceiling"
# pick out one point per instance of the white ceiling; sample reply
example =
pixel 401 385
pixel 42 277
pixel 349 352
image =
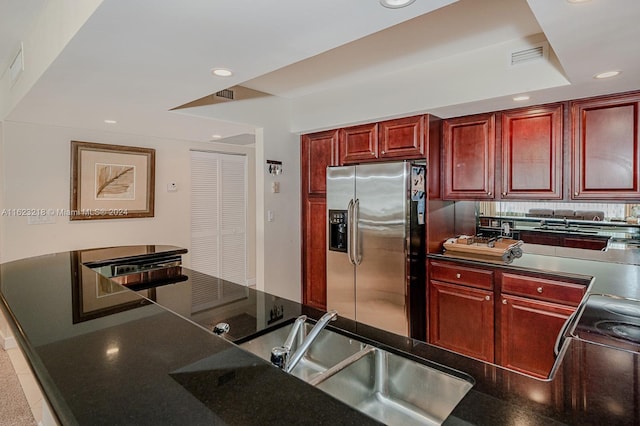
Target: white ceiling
pixel 135 61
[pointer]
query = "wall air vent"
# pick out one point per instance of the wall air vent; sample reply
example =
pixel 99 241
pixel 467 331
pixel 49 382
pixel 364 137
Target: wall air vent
pixel 226 94
pixel 17 65
pixel 530 54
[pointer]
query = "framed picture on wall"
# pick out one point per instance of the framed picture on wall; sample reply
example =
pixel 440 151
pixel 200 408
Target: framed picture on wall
pixel 111 181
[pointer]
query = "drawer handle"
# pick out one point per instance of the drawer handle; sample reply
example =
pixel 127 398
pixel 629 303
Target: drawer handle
pixel 487 298
pixel 504 301
pixel 539 289
pixel 458 276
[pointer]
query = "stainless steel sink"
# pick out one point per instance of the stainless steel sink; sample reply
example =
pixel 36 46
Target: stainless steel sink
pixel 397 390
pixel 327 350
pixel 390 388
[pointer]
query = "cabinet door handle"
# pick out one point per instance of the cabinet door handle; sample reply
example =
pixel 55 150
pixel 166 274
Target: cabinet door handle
pixel 575 193
pixel 382 152
pixel 504 301
pixel 504 194
pixel 489 193
pixel 487 298
pixel 539 289
pixel 458 276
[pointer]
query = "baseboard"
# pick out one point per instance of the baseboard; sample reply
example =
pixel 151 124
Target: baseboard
pixel 8 342
pixel 251 282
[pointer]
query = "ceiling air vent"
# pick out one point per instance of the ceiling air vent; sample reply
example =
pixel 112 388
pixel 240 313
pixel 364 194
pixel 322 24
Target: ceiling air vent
pixel 529 54
pixel 226 93
pixel 233 93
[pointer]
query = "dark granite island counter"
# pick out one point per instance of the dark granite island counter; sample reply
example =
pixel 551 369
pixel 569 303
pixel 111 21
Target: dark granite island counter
pixel 154 360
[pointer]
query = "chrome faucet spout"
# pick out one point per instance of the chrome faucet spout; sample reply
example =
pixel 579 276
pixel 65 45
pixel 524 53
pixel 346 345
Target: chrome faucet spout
pixel 304 347
pixel 280 354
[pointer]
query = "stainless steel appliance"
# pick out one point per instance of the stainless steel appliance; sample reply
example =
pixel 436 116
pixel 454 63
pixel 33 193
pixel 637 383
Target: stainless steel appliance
pixel 376 245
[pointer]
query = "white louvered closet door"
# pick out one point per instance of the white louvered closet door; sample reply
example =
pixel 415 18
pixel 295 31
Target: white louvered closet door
pixel 218 215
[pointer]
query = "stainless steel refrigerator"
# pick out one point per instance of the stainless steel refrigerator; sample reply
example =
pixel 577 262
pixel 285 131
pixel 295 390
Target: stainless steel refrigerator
pixel 375 248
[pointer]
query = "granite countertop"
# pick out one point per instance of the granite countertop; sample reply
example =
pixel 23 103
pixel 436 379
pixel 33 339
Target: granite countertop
pixel 159 363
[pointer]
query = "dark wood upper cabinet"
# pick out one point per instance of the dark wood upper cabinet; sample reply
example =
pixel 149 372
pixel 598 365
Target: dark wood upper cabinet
pixel 532 153
pixel 318 151
pixel 606 162
pixel 359 143
pixel 469 157
pixel 402 138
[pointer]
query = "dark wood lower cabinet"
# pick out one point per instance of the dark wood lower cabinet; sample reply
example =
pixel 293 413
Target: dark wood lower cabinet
pixel 590 242
pixel 517 331
pixel 528 333
pixel 314 269
pixel 461 319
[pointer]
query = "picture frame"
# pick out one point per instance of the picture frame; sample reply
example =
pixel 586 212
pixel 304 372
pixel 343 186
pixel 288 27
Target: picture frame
pixel 94 296
pixel 111 181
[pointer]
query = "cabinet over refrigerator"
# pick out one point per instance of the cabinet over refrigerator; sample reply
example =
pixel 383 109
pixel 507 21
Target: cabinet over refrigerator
pixel 376 245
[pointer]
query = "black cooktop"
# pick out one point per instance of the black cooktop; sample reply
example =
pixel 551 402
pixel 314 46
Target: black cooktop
pixel 610 321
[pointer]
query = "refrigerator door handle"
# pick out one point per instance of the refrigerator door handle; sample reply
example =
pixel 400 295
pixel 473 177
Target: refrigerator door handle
pixel 357 256
pixel 350 228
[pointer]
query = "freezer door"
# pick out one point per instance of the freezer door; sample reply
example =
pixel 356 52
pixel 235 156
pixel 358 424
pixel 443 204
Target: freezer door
pixel 381 280
pixel 340 270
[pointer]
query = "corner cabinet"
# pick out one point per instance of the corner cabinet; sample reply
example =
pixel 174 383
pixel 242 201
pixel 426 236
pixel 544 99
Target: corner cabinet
pixel 469 157
pixel 317 151
pixel 605 143
pixel 532 153
pixel 533 311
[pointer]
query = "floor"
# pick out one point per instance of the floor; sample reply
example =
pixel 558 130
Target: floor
pixel 14 408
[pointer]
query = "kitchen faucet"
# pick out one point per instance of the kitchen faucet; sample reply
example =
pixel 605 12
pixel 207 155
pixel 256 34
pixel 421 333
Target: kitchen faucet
pixel 280 354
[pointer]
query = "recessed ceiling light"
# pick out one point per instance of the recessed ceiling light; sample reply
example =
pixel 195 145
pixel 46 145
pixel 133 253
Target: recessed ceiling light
pixel 521 98
pixel 221 72
pixel 607 74
pixel 396 4
pixel 110 121
pixel 578 1
pixel 216 137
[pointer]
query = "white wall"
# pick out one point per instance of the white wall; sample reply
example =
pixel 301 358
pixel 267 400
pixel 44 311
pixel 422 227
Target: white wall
pixel 278 268
pixel 36 174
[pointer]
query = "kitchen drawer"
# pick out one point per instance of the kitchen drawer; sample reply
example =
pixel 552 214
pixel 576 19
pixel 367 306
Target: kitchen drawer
pixel 464 275
pixel 543 289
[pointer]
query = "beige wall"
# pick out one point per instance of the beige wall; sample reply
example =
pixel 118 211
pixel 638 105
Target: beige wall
pixel 36 174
